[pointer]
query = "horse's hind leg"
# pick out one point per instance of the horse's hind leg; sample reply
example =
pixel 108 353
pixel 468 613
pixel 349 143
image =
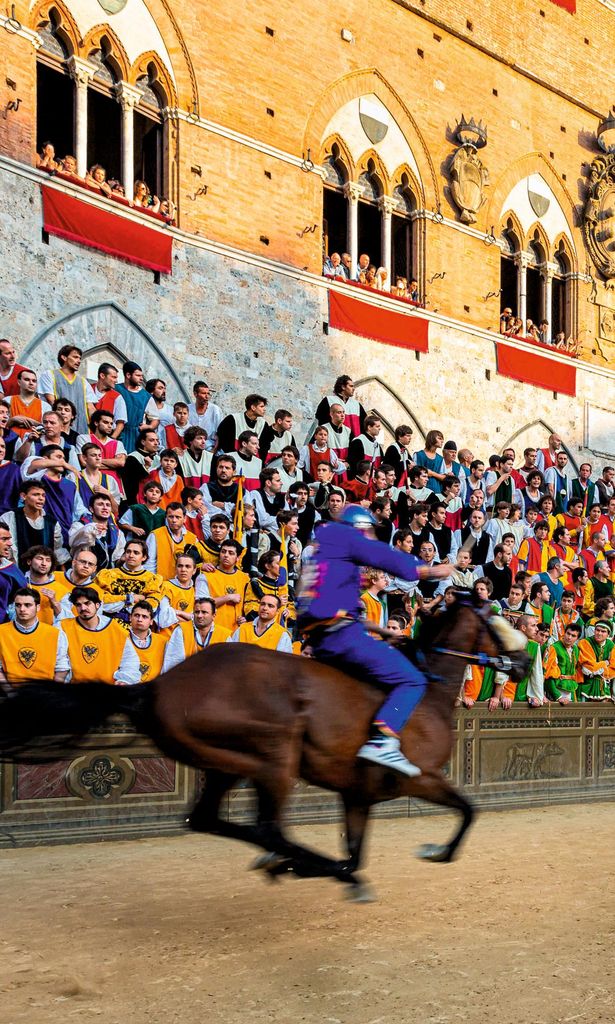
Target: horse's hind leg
pixel 443 793
pixel 205 816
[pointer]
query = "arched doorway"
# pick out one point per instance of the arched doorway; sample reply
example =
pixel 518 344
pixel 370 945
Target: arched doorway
pixel 105 333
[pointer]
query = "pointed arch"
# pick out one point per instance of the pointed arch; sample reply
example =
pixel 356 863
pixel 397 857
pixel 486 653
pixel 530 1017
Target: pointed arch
pixel 123 335
pixel 511 224
pixel 537 229
pixel 44 11
pixel 404 171
pixel 346 158
pixel 562 246
pixel 540 423
pixel 390 406
pixel 140 67
pixel 362 82
pixel 378 169
pixel 95 40
pixel 522 167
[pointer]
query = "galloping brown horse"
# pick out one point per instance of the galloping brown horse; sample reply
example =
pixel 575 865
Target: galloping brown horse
pixel 242 712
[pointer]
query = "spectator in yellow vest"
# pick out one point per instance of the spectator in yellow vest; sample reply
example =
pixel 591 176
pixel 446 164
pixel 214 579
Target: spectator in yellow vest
pixel 30 649
pixel 264 631
pixel 149 647
pixel 99 649
pixel 190 637
pixel 167 541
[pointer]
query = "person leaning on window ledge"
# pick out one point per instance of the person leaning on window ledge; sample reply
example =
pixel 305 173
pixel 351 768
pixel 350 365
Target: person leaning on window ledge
pixel 96 178
pixel 68 167
pixel 46 158
pixel 143 198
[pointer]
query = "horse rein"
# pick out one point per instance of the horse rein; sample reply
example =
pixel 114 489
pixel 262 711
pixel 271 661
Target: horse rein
pixel 499 662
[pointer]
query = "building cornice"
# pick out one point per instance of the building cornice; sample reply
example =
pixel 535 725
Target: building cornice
pixel 14 28
pixel 246 140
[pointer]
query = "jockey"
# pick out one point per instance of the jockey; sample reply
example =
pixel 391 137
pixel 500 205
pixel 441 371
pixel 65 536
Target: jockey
pixel 329 609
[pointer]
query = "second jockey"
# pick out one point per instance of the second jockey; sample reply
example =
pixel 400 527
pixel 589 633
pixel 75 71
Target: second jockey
pixel 329 609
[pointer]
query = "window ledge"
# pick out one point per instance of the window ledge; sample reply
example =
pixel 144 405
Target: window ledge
pixel 382 299
pixel 79 188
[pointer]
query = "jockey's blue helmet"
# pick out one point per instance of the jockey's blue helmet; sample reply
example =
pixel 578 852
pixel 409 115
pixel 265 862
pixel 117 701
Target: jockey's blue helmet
pixel 360 518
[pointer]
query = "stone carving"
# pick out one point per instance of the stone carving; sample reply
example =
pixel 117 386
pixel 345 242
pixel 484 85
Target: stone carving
pixel 531 761
pixel 113 6
pixel 101 776
pixel 607 323
pixel 609 755
pixel 469 176
pixel 599 214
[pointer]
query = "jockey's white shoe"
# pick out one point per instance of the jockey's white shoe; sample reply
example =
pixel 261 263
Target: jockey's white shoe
pixel 384 750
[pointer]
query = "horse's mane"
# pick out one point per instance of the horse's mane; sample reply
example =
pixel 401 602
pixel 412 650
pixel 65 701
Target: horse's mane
pixel 433 627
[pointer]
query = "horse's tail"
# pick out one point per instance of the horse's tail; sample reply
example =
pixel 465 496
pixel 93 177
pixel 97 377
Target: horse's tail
pixel 41 715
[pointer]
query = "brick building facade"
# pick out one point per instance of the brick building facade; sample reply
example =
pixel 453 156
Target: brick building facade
pixel 279 128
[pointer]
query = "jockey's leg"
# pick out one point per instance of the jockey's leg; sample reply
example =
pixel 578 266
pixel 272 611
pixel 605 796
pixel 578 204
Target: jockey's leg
pixel 355 650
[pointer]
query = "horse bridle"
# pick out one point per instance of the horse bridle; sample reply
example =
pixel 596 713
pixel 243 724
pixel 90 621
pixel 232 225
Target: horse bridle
pixel 500 662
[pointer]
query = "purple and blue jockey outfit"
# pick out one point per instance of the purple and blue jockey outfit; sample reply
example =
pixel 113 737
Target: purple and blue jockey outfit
pixel 329 608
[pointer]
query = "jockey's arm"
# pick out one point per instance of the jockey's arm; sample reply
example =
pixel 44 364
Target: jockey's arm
pixel 380 556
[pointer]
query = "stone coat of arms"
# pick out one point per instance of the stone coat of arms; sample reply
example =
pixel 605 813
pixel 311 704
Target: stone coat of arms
pixel 599 214
pixel 469 177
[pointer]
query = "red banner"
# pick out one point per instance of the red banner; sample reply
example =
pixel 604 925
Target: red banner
pixel 349 314
pixel 540 371
pixel 568 5
pixel 70 218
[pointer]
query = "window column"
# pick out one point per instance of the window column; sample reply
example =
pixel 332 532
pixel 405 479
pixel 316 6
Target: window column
pixel 81 71
pixel 352 193
pixel 521 262
pixel 386 205
pixel 549 272
pixel 128 98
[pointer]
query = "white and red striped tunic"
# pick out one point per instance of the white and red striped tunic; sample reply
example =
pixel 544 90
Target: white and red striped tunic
pixel 251 469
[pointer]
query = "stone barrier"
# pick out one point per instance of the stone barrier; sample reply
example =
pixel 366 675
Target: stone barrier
pixel 119 786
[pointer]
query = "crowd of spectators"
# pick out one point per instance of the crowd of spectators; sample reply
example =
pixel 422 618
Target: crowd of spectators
pixel 135 532
pixel 512 327
pixel 96 180
pixel 339 268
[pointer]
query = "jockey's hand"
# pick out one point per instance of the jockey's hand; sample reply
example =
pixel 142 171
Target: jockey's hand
pixel 506 703
pixel 493 703
pixel 434 572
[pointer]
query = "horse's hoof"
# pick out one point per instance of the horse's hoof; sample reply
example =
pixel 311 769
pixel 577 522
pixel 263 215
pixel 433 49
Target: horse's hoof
pixel 360 892
pixel 435 853
pixel 266 862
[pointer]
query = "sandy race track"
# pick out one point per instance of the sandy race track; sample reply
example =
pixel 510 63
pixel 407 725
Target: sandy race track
pixel 520 930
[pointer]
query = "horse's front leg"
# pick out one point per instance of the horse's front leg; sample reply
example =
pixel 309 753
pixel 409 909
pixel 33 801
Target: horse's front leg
pixel 438 791
pixel 357 818
pixel 287 856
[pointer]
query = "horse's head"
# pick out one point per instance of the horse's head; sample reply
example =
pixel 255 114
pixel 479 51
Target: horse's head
pixel 473 628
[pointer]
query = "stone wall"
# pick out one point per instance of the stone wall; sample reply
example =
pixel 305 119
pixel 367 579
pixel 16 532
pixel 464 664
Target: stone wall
pixel 244 325
pixel 118 786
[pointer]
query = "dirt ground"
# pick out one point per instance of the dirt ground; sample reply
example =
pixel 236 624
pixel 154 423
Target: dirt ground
pixel 519 930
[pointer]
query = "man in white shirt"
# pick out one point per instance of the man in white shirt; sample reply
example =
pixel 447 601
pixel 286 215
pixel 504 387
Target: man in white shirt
pixel 107 397
pixel 204 413
pixel 558 483
pixel 158 408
